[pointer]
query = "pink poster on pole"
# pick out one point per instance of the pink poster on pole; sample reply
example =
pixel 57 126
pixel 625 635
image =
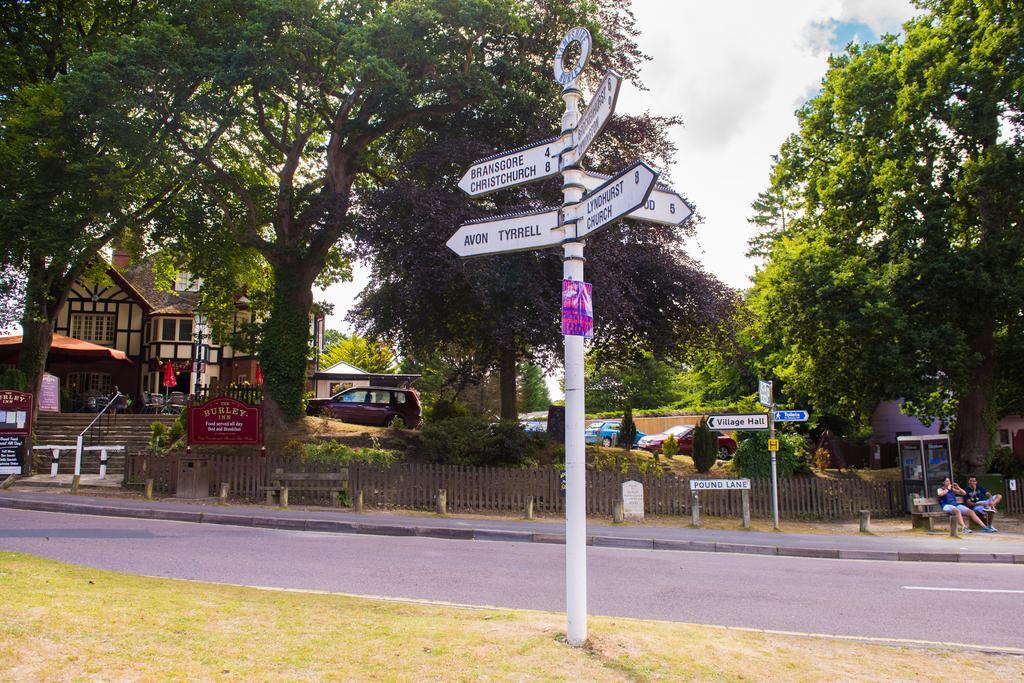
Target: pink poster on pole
pixel 577 309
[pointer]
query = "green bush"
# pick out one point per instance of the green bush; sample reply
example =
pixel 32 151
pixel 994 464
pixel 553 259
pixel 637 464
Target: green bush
pixel 627 432
pixel 752 458
pixel 473 441
pixel 444 409
pixel 177 429
pixel 158 435
pixel 1004 462
pixel 13 378
pixel 705 447
pixel 337 453
pixel 670 447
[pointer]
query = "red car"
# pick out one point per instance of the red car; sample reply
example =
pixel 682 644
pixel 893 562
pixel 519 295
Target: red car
pixel 684 437
pixel 371 406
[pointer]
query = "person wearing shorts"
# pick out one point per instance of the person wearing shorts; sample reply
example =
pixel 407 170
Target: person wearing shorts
pixel 979 500
pixel 947 501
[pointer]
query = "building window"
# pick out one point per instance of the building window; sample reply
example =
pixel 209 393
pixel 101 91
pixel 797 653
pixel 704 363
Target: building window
pixel 79 382
pixel 185 330
pixel 91 327
pixel 167 333
pixel 1004 437
pixel 184 282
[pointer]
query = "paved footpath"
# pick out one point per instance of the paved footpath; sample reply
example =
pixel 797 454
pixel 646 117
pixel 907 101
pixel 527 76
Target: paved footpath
pixel 976 547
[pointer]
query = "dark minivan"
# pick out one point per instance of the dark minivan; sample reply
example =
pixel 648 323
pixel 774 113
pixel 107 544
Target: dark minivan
pixel 371 406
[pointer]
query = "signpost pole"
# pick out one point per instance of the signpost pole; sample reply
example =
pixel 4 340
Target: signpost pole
pixel 775 477
pixel 575 455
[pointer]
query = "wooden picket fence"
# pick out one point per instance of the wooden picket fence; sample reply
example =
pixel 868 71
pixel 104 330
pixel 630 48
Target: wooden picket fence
pixel 1015 499
pixel 501 489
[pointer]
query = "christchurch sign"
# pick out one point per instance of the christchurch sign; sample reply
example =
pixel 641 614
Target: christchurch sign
pixel 590 203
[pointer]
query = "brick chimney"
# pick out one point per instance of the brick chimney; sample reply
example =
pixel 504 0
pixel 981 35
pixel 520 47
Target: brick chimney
pixel 121 258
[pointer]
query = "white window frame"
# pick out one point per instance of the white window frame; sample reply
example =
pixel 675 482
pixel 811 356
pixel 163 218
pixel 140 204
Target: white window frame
pixel 87 327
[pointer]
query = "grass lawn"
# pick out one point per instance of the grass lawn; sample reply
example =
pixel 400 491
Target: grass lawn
pixel 65 622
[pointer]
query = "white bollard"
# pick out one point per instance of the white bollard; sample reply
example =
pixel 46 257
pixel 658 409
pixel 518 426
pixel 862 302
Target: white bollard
pixel 54 462
pixel 103 463
pixel 78 455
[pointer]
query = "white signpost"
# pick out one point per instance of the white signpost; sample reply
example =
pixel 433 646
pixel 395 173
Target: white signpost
pixel 593 120
pixel 517 232
pixel 626 194
pixel 719 484
pixel 615 198
pixel 738 423
pixel 662 206
pixel 536 161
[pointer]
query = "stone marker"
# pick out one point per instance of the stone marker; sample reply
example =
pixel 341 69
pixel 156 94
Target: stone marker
pixel 633 500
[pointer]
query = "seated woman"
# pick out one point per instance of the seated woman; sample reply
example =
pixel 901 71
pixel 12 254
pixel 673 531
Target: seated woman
pixel 947 501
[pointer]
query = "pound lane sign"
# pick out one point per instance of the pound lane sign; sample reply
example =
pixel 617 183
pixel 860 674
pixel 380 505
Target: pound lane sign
pixel 616 197
pixel 502 234
pixel 519 166
pixel 664 206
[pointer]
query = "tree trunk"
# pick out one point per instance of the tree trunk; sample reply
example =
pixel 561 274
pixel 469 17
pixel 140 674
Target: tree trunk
pixel 285 342
pixel 507 372
pixel 37 321
pixel 974 419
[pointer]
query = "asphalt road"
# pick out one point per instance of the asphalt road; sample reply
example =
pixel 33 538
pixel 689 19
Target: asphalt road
pixel 904 600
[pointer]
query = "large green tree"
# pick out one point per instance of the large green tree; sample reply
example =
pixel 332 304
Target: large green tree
pixel 81 161
pixel 899 273
pixel 307 100
pixel 504 310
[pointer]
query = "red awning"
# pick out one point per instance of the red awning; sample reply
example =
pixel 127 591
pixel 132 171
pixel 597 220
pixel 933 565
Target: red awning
pixel 66 348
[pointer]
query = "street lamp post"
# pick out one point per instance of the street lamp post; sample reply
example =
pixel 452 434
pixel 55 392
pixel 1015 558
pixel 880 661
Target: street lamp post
pixel 198 357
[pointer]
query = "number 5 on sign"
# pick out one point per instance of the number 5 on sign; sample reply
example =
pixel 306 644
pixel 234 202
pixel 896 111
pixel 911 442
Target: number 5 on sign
pixel 773 445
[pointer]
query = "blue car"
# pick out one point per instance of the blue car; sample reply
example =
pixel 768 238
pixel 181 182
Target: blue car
pixel 606 433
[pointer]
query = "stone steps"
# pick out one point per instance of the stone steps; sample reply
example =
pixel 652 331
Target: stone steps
pixel 60 429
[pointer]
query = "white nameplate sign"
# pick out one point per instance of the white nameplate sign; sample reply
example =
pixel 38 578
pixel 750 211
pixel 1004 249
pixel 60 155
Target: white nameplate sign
pixel 632 500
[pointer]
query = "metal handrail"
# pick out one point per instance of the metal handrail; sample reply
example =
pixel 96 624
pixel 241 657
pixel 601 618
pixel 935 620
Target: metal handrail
pixel 81 436
pixel 113 398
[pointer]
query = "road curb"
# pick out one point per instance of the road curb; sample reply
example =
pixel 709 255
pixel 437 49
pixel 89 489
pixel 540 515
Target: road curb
pixel 343 527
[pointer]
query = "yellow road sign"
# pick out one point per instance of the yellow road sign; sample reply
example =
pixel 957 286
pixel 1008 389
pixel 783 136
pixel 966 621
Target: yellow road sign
pixel 773 445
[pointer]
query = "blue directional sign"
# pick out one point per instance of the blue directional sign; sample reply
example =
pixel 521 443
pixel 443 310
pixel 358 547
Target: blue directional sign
pixel 790 416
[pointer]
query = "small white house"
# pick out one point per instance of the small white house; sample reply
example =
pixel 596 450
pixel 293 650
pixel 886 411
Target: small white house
pixel 342 375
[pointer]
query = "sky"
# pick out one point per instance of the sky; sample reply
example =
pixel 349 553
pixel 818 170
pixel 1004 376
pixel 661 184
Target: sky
pixel 735 71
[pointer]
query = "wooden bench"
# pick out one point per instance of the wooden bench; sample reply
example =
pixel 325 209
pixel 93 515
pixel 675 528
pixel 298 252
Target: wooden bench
pixel 923 516
pixel 283 482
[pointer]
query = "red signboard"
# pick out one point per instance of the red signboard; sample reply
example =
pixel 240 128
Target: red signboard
pixel 225 422
pixel 15 412
pixel 15 426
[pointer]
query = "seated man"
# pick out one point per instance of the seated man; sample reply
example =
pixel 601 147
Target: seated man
pixel 947 501
pixel 979 500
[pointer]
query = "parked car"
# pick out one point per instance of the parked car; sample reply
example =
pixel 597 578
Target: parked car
pixel 534 426
pixel 371 406
pixel 606 433
pixel 684 437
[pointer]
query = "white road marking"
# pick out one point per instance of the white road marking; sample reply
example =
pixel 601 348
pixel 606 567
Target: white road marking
pixel 962 590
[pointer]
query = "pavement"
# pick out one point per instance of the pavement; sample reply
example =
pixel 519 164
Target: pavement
pixel 976 548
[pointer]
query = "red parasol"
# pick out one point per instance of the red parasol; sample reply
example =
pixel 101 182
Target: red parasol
pixel 259 376
pixel 169 379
